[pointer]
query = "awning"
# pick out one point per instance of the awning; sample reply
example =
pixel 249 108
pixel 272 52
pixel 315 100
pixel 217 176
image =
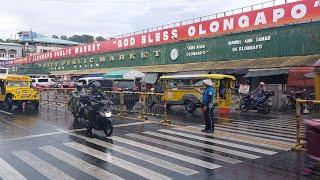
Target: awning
pixel 266 72
pixel 187 73
pixel 149 78
pixel 298 77
pixel 230 71
pixel 124 74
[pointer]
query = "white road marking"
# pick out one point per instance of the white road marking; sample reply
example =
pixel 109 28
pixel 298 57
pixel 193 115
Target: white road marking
pixel 41 166
pixel 153 160
pixel 202 145
pixel 8 172
pixel 256 131
pixel 132 124
pixel 80 164
pixel 31 136
pixel 196 130
pixel 266 128
pixel 141 171
pixel 280 129
pixel 5 112
pixel 181 157
pixel 256 134
pixel 186 149
pixel 235 145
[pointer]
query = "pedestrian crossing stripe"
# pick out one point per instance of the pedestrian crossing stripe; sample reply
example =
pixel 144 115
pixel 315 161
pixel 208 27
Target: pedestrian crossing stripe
pixel 8 172
pixel 231 146
pixel 234 145
pixel 134 168
pixel 41 166
pixel 203 145
pixel 244 139
pixel 256 131
pixel 171 154
pixel 153 160
pixel 269 128
pixel 186 149
pixel 80 164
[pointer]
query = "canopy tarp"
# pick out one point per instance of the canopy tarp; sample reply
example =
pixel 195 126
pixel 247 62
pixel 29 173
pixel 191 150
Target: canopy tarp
pixel 266 72
pixel 150 78
pixel 124 74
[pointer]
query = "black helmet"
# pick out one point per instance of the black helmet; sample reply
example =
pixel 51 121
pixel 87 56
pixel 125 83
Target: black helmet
pixel 79 87
pixel 96 86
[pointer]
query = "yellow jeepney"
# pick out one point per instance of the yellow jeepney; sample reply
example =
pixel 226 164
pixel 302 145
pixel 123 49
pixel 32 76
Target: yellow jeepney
pixel 16 90
pixel 187 90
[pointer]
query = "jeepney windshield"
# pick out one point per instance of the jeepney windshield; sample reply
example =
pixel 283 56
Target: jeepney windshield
pixel 17 84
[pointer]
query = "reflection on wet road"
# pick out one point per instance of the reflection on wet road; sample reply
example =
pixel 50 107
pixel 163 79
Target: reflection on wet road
pixel 48 145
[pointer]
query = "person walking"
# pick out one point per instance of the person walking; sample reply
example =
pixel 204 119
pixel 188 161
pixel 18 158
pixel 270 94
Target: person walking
pixel 207 103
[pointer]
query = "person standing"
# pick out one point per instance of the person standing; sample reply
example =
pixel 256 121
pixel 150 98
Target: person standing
pixel 207 103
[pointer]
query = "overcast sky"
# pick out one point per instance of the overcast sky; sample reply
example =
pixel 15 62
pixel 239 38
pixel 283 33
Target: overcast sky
pixel 102 17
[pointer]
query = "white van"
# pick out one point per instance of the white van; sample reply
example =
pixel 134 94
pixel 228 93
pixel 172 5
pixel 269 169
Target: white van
pixel 42 82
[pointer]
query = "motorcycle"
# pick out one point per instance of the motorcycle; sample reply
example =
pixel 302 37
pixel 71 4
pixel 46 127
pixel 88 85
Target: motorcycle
pixel 265 105
pixel 96 113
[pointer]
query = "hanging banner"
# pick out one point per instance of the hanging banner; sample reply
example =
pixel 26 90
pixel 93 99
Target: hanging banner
pixel 297 12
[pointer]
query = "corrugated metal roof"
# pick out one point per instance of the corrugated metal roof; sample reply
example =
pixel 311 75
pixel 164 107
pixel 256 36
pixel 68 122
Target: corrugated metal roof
pixel 262 63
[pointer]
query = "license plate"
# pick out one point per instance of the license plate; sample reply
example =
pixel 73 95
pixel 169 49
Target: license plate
pixel 24 96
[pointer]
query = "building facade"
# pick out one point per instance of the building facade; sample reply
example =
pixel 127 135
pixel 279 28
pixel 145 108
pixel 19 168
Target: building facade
pixel 34 43
pixel 9 51
pixel 259 44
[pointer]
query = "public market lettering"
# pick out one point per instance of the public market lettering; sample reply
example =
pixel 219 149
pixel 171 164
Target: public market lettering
pixel 288 13
pixel 129 56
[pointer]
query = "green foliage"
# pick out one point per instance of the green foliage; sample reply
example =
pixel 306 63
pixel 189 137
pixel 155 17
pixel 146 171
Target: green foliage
pixel 64 37
pixel 55 36
pixel 100 38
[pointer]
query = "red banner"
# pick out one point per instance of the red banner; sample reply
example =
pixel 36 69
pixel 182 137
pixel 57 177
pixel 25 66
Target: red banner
pixel 297 12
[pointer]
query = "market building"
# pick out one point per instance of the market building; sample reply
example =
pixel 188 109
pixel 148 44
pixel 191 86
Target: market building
pixel 256 44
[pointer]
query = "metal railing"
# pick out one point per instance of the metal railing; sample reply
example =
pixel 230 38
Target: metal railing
pixel 55 96
pixel 208 17
pixel 137 105
pixel 304 107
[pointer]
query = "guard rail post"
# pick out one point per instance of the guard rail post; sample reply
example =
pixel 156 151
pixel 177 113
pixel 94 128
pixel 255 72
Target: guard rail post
pixel 143 107
pixel 165 116
pixel 66 97
pixel 298 145
pixel 121 95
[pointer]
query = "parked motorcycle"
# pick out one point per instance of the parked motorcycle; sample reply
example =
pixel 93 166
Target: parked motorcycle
pixel 96 113
pixel 265 105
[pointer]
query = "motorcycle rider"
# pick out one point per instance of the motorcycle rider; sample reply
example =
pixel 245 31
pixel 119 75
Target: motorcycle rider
pixel 261 94
pixel 74 102
pixel 96 95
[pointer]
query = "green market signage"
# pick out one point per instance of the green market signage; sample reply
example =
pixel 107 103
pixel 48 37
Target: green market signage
pixel 293 40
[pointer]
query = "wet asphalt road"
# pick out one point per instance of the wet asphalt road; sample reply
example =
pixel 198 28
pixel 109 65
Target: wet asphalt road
pixel 48 145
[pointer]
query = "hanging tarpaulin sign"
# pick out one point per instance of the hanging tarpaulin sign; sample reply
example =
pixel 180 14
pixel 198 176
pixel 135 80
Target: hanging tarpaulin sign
pixel 244 89
pixel 295 12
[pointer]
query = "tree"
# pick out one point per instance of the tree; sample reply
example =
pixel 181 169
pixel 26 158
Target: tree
pixel 1 40
pixel 55 36
pixel 11 41
pixel 87 39
pixel 100 38
pixel 75 38
pixel 64 37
